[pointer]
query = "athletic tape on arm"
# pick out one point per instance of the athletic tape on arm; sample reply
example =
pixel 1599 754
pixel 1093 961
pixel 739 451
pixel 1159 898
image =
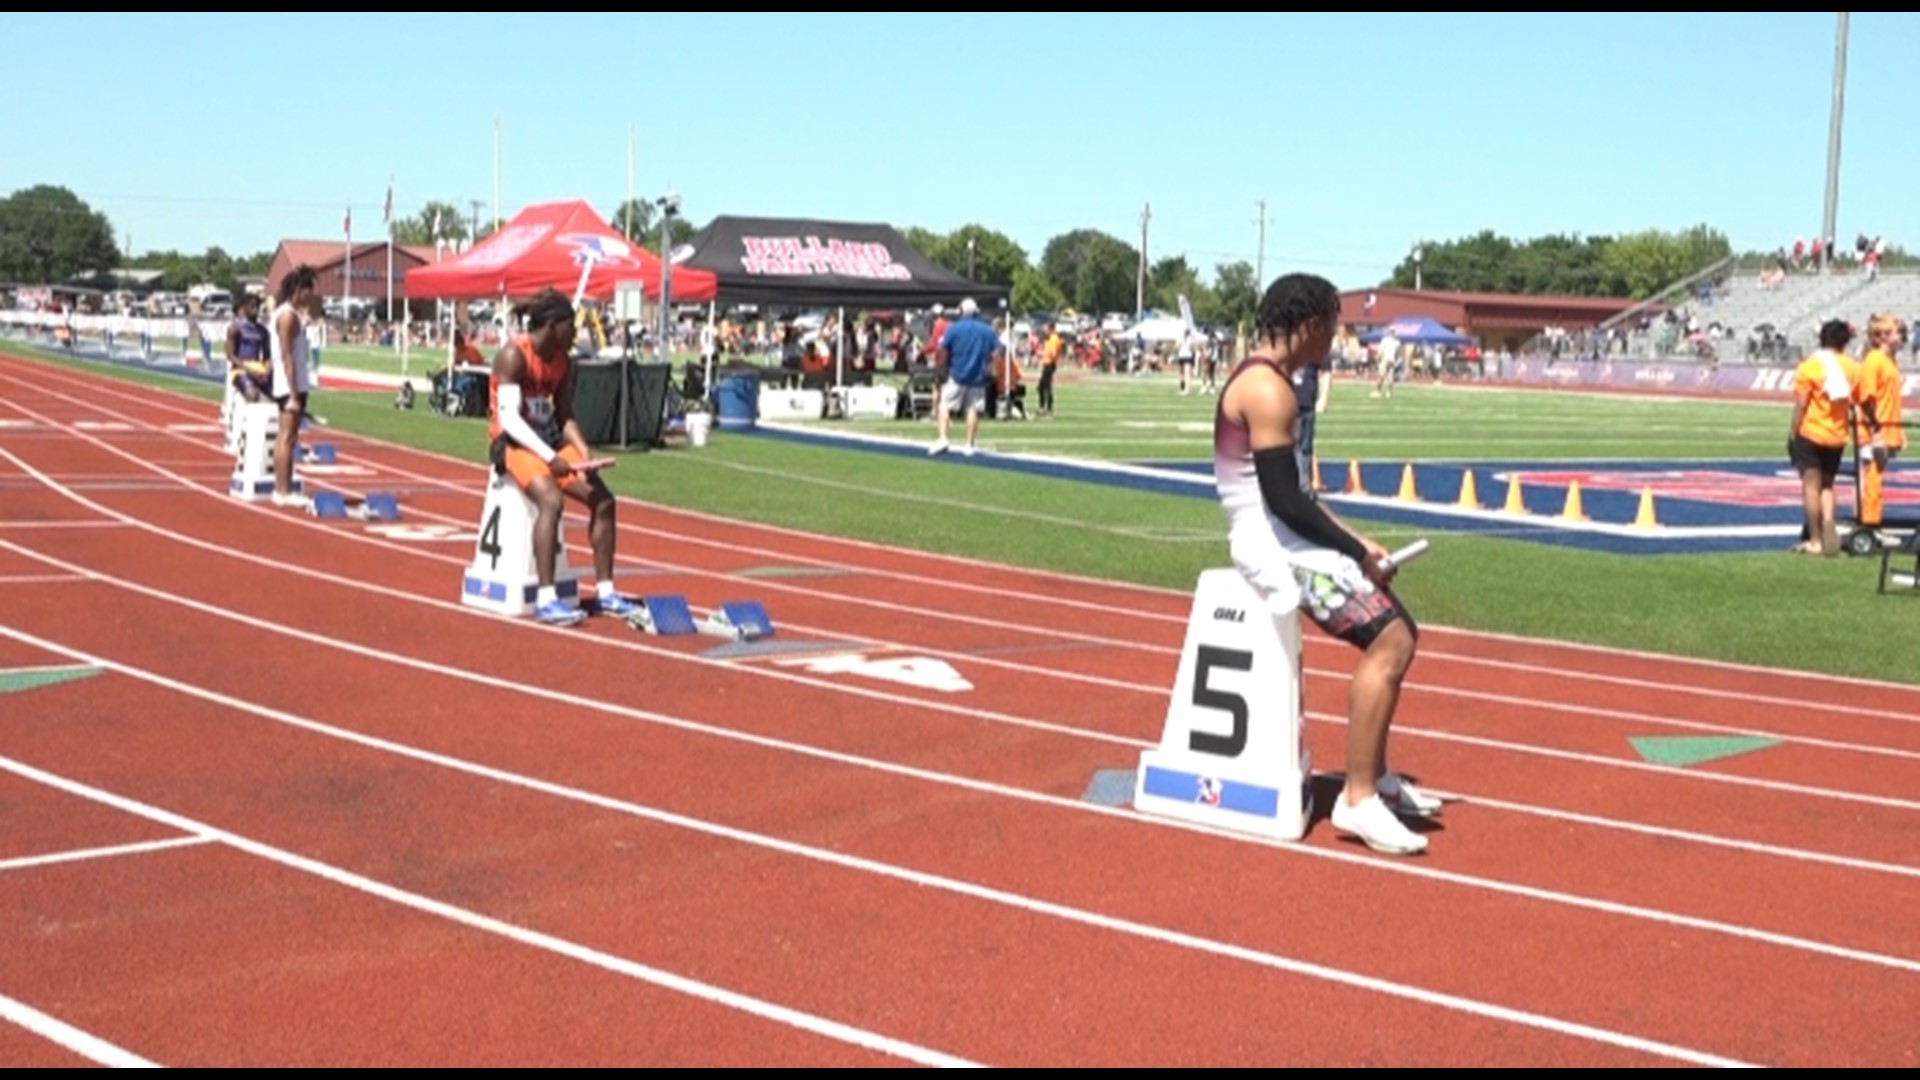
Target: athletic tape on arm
pixel 507 399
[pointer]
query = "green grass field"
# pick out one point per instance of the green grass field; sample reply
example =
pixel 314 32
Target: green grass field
pixel 1768 608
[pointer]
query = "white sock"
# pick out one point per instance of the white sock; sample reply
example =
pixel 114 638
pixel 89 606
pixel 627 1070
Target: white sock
pixel 548 594
pixel 605 589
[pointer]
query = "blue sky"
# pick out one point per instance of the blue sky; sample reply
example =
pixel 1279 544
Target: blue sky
pixel 1363 132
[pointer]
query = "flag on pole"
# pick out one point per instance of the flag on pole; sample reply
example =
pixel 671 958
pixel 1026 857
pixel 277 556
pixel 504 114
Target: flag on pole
pixel 348 227
pixel 387 215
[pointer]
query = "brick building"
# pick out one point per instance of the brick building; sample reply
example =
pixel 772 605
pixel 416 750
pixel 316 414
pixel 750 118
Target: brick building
pixel 329 261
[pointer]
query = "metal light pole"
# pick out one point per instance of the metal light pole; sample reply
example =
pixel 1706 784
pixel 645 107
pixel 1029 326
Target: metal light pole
pixel 1260 266
pixel 1419 252
pixel 1829 223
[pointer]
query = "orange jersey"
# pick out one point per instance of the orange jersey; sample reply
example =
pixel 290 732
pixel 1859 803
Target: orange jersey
pixel 1880 383
pixel 1825 422
pixel 1006 375
pixel 541 383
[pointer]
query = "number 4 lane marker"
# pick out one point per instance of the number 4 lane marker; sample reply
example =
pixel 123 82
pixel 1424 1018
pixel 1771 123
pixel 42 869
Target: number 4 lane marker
pixel 924 672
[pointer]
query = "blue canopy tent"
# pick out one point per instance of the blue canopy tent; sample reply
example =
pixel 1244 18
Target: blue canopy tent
pixel 1418 330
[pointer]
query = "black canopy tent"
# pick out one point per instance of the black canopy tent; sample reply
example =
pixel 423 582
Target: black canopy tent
pixel 799 262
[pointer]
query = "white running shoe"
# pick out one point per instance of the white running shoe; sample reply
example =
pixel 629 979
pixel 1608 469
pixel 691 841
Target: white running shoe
pixel 967 450
pixel 295 501
pixel 1376 826
pixel 937 448
pixel 1406 800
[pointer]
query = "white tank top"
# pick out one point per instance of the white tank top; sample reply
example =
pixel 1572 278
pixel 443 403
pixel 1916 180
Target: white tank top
pixel 1236 480
pixel 299 339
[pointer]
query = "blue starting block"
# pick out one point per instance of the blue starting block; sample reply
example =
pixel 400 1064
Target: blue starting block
pixel 328 504
pixel 320 454
pixel 668 616
pixel 741 620
pixel 379 506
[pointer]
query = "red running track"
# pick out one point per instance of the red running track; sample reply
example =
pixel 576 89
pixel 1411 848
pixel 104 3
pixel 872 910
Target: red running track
pixel 319 813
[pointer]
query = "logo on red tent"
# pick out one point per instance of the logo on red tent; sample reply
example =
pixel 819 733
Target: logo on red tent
pixel 604 250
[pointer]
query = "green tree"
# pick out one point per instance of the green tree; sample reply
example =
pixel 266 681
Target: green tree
pixel 418 229
pixel 1093 270
pixel 49 235
pixel 1032 292
pixel 633 219
pixel 994 258
pixel 1236 295
pixel 1640 264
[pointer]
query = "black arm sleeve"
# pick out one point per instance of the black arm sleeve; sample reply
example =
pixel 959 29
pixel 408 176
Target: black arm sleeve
pixel 1279 473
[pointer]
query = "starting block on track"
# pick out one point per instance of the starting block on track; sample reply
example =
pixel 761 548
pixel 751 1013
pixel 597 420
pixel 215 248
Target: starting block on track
pixel 667 616
pixel 670 616
pixel 319 454
pixel 741 620
pixel 1233 752
pixel 502 577
pixel 378 506
pixel 256 426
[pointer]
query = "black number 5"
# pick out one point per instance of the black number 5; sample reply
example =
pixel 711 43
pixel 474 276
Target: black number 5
pixel 1208 698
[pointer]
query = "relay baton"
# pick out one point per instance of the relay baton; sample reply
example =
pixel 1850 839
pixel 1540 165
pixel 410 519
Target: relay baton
pixel 1407 554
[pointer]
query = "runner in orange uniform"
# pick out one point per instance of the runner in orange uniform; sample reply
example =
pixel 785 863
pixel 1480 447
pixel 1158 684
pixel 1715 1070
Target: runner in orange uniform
pixel 534 439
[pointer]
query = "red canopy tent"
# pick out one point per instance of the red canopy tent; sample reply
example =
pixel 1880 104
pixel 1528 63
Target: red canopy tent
pixel 547 246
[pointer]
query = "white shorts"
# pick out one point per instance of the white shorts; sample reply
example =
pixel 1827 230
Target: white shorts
pixel 1326 586
pixel 964 398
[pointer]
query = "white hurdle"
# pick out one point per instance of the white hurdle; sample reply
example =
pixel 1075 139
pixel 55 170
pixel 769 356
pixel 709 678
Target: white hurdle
pixel 1233 752
pixel 255 428
pixel 503 577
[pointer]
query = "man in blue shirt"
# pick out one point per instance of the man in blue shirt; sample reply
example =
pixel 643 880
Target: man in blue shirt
pixel 968 346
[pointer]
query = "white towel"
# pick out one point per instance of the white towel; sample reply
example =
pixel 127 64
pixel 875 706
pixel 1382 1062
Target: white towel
pixel 1837 387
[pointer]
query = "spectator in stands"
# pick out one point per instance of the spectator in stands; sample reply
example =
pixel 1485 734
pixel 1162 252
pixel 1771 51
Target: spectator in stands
pixel 1825 388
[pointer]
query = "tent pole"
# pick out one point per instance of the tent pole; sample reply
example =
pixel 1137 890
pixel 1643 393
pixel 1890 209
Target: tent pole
pixel 839 335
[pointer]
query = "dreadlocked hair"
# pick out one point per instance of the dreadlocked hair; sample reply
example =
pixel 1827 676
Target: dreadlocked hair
pixel 545 308
pixel 1293 301
pixel 301 277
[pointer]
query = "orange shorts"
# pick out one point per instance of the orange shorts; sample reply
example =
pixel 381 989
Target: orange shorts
pixel 525 467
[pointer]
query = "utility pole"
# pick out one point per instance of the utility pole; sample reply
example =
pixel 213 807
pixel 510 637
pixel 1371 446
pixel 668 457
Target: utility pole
pixel 1829 223
pixel 1140 280
pixel 1260 269
pixel 473 228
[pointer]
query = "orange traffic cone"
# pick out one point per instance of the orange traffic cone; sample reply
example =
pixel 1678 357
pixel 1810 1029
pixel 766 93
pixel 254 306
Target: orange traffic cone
pixel 1515 504
pixel 1407 492
pixel 1645 519
pixel 1572 511
pixel 1469 497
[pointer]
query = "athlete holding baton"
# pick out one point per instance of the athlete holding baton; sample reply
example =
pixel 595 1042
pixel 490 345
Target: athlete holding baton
pixel 1297 554
pixel 534 439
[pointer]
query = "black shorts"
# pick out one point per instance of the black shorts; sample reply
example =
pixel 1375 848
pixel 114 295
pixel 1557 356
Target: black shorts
pixel 300 397
pixel 1805 455
pixel 1354 612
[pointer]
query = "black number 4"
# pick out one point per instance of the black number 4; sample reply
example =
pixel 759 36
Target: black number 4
pixel 1206 697
pixel 490 539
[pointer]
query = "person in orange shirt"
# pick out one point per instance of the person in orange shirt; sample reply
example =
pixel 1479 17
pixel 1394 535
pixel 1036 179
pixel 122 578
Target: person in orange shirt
pixel 1825 388
pixel 534 439
pixel 1880 385
pixel 1049 360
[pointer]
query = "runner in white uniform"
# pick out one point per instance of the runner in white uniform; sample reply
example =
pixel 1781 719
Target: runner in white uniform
pixel 1297 554
pixel 288 337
